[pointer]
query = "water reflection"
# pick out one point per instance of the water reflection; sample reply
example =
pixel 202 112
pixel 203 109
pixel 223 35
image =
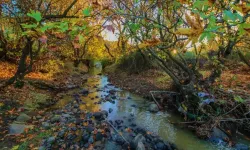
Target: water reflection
pixel 124 106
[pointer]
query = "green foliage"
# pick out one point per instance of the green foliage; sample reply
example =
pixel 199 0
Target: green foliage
pixel 237 98
pixel 35 15
pixel 134 27
pixel 87 11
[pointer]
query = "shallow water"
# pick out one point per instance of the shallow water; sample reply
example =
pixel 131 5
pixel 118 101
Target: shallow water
pixel 127 104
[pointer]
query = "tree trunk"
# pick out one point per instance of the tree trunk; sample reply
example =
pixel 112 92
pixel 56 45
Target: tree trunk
pixel 242 57
pixel 23 69
pixel 77 62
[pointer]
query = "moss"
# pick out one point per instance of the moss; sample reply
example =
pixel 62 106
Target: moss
pixel 35 100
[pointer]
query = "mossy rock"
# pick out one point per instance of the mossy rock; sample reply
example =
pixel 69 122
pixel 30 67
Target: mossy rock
pixel 36 100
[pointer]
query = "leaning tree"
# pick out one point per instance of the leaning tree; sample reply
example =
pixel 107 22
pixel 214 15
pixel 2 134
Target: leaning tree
pixel 167 29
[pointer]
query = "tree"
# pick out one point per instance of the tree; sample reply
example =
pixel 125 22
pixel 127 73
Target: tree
pixel 167 28
pixel 49 18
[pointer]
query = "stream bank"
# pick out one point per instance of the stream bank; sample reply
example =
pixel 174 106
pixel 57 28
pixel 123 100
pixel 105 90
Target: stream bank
pixel 98 115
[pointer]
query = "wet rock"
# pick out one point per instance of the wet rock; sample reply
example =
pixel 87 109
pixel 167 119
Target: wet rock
pixel 99 145
pixel 85 138
pixel 72 120
pixel 71 137
pixel 66 115
pixel 140 146
pixel 18 128
pixel 61 134
pixel 217 133
pixel 75 110
pixel 105 113
pixel 160 146
pixel 91 140
pixel 110 110
pixel 133 105
pixel 23 118
pixel 90 128
pixel 112 92
pixel 141 130
pixel 42 148
pixel 51 140
pixel 55 119
pixel 139 138
pixel 78 121
pixel 89 115
pixel 119 140
pixel 39 117
pixel 86 145
pixel 133 125
pixel 76 106
pixel 73 128
pixel 98 116
pixel 118 122
pixel 112 146
pixel 99 136
pixel 153 108
pixel 85 92
pixel 241 147
pixel 218 141
pixel 45 125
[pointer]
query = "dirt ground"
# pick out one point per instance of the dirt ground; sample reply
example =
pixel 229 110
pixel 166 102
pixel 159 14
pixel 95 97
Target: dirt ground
pixel 153 80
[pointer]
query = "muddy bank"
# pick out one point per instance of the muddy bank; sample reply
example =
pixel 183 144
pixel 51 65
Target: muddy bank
pixel 207 129
pixel 142 83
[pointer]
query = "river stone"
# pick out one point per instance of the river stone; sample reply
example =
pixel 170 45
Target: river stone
pixel 140 146
pixel 99 136
pixel 18 128
pixel 99 116
pixel 23 118
pixel 160 146
pixel 45 125
pixel 51 140
pixel 85 137
pixel 112 146
pixel 110 110
pixel 153 108
pixel 137 139
pixel 55 119
pixel 42 148
pixel 85 92
pixel 105 113
pixel 91 140
pixel 61 134
pixel 219 134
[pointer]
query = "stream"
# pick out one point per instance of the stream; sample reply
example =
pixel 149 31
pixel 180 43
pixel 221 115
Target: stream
pixel 123 104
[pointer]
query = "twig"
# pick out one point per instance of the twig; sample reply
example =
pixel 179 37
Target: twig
pixel 231 110
pixel 159 106
pixel 231 119
pixel 190 122
pixel 118 132
pixel 247 113
pixel 169 92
